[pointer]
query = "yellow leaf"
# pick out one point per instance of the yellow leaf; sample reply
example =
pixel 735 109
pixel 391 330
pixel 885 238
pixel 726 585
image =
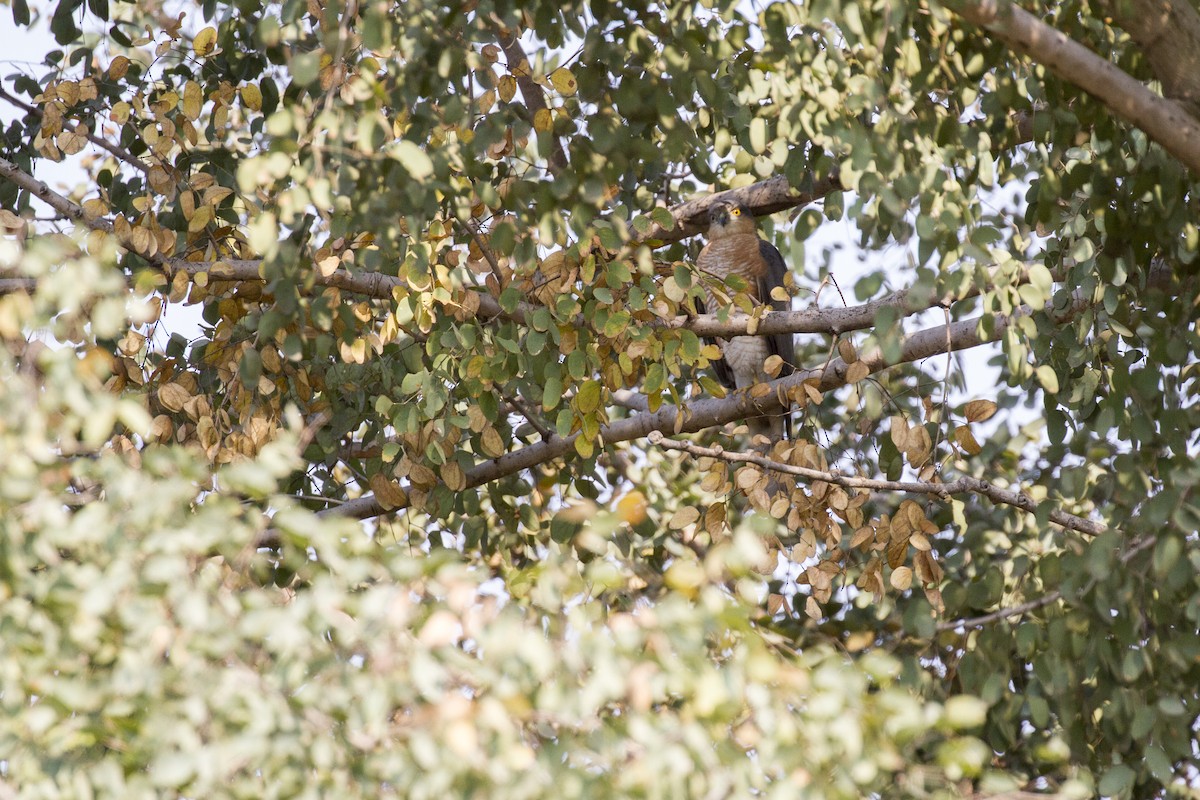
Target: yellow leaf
pixel 193 100
pixel 901 578
pixel 584 447
pixel 631 508
pixel 204 42
pixel 588 399
pixel 68 92
pixel 542 120
pixel 979 410
pixel 118 68
pixel 563 81
pixel 507 88
pixel 202 216
pixel 773 365
pixel 252 97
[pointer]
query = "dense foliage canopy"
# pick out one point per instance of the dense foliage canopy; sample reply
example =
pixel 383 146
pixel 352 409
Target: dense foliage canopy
pixel 435 493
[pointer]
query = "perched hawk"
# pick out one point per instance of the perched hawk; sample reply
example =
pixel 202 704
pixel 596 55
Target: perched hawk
pixel 734 249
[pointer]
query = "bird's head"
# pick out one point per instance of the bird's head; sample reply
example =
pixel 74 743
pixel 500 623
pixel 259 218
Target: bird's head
pixel 727 218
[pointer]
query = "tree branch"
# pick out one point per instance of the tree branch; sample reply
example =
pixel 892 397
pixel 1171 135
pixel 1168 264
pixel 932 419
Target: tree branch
pixel 119 153
pixel 962 485
pixel 708 412
pixel 761 198
pixel 1051 597
pixel 829 320
pixel 1163 120
pixel 535 98
pixel 1168 33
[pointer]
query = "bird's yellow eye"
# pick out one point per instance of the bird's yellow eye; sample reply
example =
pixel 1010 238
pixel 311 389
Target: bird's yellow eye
pixel 737 212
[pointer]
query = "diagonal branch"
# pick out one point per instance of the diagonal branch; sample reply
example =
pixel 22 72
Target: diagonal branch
pixel 1168 34
pixel 962 485
pixel 535 98
pixel 1163 120
pixel 119 153
pixel 708 413
pixel 1032 605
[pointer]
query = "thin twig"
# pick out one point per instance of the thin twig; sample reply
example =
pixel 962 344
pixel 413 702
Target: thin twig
pixel 1032 605
pixel 118 152
pixel 963 485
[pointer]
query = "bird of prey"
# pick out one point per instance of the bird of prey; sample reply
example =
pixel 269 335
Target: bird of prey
pixel 734 249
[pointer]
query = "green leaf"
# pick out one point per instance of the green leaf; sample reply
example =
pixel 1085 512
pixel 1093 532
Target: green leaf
pixel 418 164
pixel 1116 781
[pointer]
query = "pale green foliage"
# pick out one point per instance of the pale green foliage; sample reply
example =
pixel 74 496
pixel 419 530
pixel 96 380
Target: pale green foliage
pixel 148 651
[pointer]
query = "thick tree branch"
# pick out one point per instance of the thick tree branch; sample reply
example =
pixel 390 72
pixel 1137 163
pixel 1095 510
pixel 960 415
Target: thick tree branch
pixel 707 413
pixel 962 485
pixel 1163 120
pixel 762 198
pixel 535 98
pixel 1168 34
pixel 830 320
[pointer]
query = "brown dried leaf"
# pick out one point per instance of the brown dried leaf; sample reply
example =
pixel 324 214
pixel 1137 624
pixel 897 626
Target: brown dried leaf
pixel 861 536
pixel 491 444
pixel 847 352
pixel 387 492
pixel 173 396
pixel 899 432
pixel 714 519
pixel 897 551
pixel 422 475
pixel 683 517
pixel 979 410
pixel 812 608
pixel 747 477
pixel 453 477
pixel 857 372
pixel 966 440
